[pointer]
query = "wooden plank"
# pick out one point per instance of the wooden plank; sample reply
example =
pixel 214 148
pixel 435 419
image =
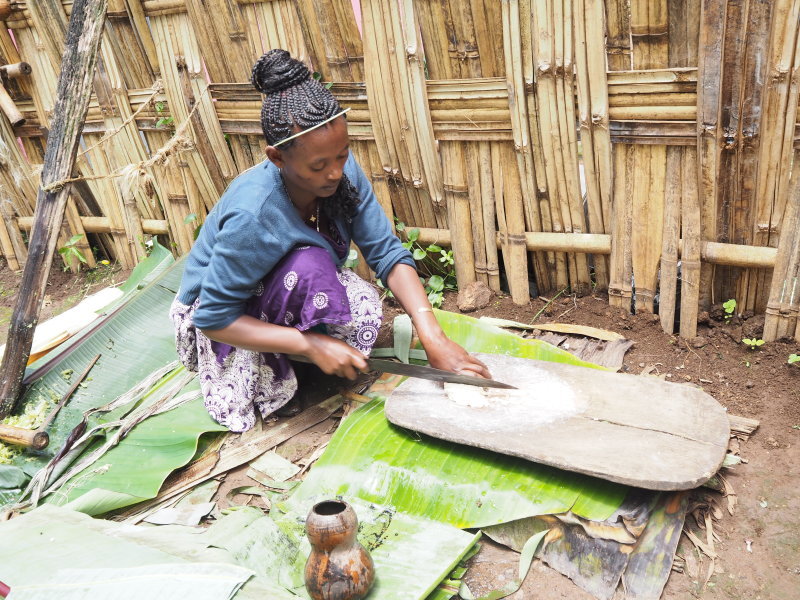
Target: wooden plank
pixel 647 433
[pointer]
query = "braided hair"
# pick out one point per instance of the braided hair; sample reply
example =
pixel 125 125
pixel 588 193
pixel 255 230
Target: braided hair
pixel 295 101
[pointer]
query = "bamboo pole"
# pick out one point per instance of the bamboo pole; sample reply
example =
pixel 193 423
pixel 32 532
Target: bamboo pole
pixel 691 227
pixel 476 210
pixel 486 167
pixel 619 288
pixel 513 223
pixel 80 58
pixel 670 240
pixel 709 76
pixel 545 101
pixel 457 196
pixel 784 297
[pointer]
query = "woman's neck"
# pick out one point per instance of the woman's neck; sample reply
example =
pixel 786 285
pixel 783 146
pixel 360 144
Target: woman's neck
pixel 304 202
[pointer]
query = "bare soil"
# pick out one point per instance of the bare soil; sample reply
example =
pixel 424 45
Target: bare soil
pixel 753 383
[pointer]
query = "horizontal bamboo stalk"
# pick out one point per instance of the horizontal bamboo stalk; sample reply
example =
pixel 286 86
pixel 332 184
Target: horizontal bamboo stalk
pixel 715 253
pixel 103 225
pixel 658 113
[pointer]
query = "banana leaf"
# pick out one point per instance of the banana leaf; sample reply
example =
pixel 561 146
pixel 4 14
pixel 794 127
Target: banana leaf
pixel 479 336
pixel 371 459
pixel 135 469
pixel 133 341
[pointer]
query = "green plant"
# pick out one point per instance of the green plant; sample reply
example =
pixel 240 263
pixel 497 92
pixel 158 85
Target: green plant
pixel 729 306
pixel 435 264
pixel 163 122
pixel 352 259
pixel 753 343
pixel 318 77
pixel 793 358
pixel 70 251
pixel 192 218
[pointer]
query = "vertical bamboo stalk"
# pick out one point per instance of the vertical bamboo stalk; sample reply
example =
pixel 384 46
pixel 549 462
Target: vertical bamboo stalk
pixel 515 78
pixel 489 216
pixel 546 117
pixel 456 193
pixel 784 296
pixel 648 219
pixel 513 225
pixel 476 211
pixel 709 76
pixel 619 35
pixel 691 227
pixel 670 239
pixel 593 201
pixel 619 288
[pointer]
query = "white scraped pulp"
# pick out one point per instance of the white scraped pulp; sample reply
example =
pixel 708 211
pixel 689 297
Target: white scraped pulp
pixel 540 395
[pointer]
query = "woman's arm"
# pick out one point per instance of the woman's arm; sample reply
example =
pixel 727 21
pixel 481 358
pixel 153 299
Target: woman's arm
pixel 442 352
pixel 333 356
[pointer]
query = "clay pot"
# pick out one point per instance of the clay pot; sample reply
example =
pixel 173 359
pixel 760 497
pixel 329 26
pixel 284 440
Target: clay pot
pixel 339 567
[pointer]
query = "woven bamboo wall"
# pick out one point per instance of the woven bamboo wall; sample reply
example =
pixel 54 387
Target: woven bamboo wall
pixel 640 146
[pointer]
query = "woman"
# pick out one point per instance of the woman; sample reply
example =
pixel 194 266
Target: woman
pixel 265 279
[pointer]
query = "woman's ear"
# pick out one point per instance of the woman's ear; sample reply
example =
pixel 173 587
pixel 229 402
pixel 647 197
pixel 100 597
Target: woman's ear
pixel 275 156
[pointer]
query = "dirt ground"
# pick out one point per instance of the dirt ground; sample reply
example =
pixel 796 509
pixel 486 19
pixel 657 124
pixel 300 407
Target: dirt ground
pixel 759 546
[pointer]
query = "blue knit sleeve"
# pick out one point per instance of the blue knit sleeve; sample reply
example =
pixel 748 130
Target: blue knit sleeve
pixel 371 230
pixel 243 254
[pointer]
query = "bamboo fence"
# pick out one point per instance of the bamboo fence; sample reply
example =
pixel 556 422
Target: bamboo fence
pixel 643 147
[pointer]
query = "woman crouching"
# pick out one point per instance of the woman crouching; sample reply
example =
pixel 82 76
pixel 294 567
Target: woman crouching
pixel 265 278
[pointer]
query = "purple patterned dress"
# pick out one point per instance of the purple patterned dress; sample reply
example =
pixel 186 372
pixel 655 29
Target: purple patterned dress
pixel 304 290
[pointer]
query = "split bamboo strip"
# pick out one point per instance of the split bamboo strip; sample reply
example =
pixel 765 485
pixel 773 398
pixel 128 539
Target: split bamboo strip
pixel 434 38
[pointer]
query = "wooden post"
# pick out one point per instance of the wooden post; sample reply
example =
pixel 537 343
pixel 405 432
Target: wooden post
pixel 74 88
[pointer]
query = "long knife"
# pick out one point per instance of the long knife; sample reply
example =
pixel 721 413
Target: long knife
pixel 423 372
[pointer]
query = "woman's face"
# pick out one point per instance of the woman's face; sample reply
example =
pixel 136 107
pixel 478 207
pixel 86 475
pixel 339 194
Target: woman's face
pixel 314 163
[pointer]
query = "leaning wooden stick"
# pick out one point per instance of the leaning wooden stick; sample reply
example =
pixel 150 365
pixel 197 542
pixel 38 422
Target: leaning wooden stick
pixel 74 88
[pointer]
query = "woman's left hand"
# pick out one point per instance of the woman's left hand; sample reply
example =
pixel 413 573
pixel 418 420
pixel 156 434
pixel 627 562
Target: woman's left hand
pixel 449 356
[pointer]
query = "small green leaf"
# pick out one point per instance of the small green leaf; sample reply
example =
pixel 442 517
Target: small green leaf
pixel 419 254
pixel 436 283
pixel 400 226
pixel 74 239
pixel 413 235
pixel 434 248
pixel 407 245
pixel 793 358
pixel 190 218
pixel 729 306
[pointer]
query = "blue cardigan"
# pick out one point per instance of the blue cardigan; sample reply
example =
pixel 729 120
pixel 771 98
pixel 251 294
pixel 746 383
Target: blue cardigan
pixel 255 224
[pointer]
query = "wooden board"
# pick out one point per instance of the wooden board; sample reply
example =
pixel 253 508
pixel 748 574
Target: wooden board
pixel 630 429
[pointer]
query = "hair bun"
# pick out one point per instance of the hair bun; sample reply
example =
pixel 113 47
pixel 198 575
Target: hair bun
pixel 276 71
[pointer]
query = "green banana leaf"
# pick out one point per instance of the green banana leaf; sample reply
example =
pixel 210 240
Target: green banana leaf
pixel 479 336
pixel 371 459
pixel 133 341
pixel 134 470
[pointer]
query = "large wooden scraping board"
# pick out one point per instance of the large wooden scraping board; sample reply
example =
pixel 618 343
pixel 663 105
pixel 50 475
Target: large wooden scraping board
pixel 630 429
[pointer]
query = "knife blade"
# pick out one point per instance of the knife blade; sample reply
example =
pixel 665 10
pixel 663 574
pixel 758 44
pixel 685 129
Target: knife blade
pixel 423 372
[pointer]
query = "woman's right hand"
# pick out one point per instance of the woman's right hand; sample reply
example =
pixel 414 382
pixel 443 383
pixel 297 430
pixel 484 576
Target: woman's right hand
pixel 333 356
